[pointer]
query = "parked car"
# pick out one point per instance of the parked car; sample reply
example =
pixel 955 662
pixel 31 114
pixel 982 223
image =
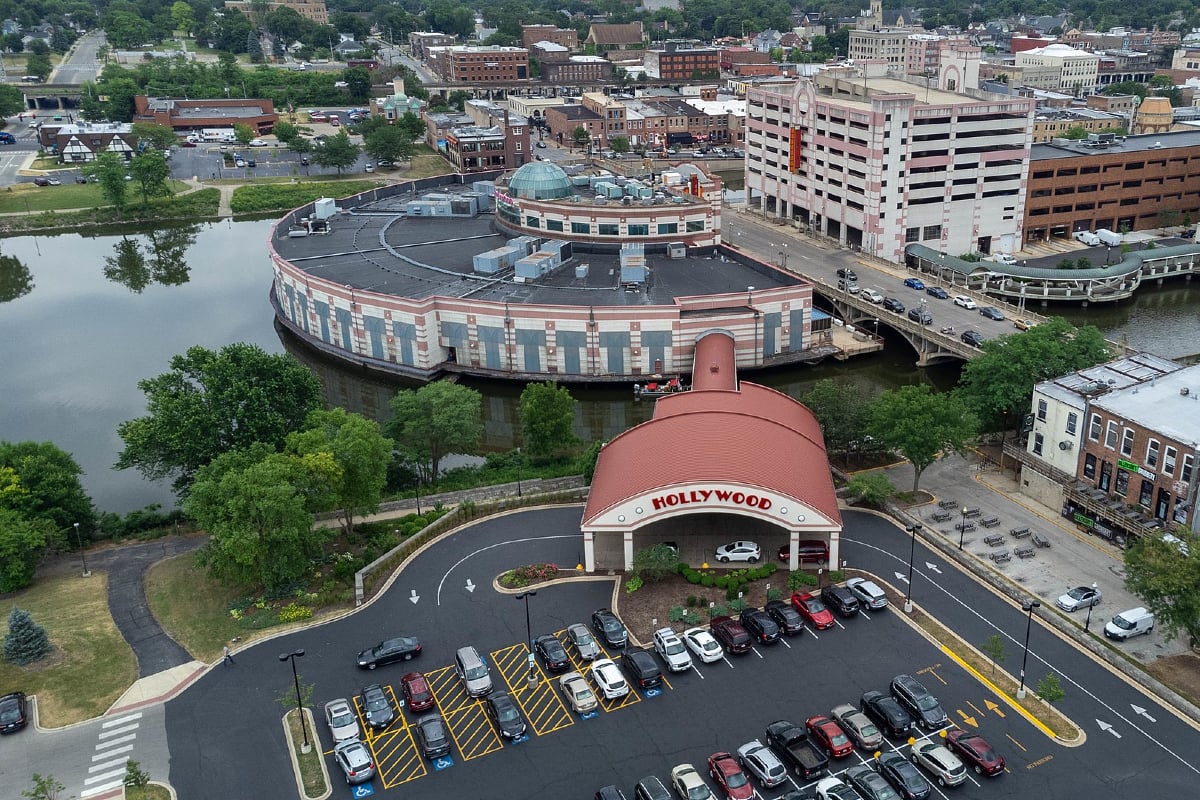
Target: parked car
pixel 919 702
pixel 689 785
pixel 808 551
pixel 672 650
pixel 650 788
pixel 872 295
pixel 973 338
pixel 42 181
pixel 415 690
pixel 258 142
pixel 583 642
pixel 739 551
pixel 505 715
pixel 840 599
pixel 847 286
pixel 339 716
pixel 642 669
pixel 869 784
pixel 1023 324
pixel 828 734
pixel 975 751
pixel 914 283
pixel 834 789
pixel 728 774
pixel 761 762
pixel 760 625
pixel 376 707
pixel 937 291
pixel 355 760
pixel 473 672
pixel 703 645
pixel 609 628
pixel 920 315
pixel 432 737
pixel 541 145
pixel 552 653
pixel 868 593
pixel 792 744
pixel 14 712
pixel 947 769
pixel 730 633
pixel 848 274
pixel 400 648
pixel 1079 597
pixel 1127 624
pixel 892 304
pixel 991 312
pixel 813 610
pixel 787 618
pixel 906 779
pixel 889 715
pixel 608 679
pixel 577 693
pixel 857 726
pixel 609 793
pixel 964 301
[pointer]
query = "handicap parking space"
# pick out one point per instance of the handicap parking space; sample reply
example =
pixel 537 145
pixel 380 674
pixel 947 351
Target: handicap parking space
pixel 545 711
pixel 464 715
pixel 397 758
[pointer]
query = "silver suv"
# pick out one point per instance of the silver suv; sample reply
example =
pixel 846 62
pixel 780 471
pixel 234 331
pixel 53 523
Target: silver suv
pixel 946 768
pixel 672 650
pixel 473 672
pixel 355 760
pixel 761 762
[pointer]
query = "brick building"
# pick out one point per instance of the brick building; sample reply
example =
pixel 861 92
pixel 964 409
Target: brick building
pixel 567 37
pixel 419 42
pixel 464 64
pixel 193 115
pixel 578 69
pixel 682 61
pixel 313 10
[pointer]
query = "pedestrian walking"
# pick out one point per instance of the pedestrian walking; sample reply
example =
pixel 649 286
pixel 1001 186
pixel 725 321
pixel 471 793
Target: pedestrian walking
pixel 228 656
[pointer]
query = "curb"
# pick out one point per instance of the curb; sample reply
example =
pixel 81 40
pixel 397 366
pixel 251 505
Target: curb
pixel 291 745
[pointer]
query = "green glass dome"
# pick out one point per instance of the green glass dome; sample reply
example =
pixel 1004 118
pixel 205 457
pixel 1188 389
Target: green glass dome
pixel 540 180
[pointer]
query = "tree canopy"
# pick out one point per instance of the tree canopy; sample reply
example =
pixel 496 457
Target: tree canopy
pixel 40 481
pixel 388 143
pixel 108 169
pixel 151 173
pixel 336 151
pixel 840 409
pixel 547 419
pixel 434 421
pixel 920 425
pixel 1165 574
pixel 211 402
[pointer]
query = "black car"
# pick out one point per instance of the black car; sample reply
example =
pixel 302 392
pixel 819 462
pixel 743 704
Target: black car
pixel 920 315
pixel 973 338
pixel 730 633
pixel 919 702
pixel 787 618
pixel 841 600
pixel 889 715
pixel 401 648
pixel 937 291
pixel 991 312
pixel 642 669
pixel 432 736
pixel 609 628
pixel 892 304
pixel 904 777
pixel 758 623
pixel 505 715
pixel 552 653
pixel 376 707
pixel 869 784
pixel 848 274
pixel 14 712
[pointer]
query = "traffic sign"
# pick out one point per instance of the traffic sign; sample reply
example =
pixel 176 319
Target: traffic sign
pixel 445 762
pixel 362 790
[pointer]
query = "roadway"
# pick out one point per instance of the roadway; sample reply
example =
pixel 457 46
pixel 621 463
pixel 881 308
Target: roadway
pixel 81 63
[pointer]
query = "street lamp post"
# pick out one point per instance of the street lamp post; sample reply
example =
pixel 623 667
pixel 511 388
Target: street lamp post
pixel 962 527
pixel 1087 625
pixel 1029 607
pixel 529 637
pixel 519 480
pixel 292 656
pixel 82 552
pixel 418 493
pixel 912 549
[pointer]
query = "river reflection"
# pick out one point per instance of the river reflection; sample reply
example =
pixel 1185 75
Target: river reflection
pixel 15 279
pixel 159 256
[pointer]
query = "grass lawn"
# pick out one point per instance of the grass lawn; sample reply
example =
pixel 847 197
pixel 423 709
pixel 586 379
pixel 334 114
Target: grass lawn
pixel 425 164
pixel 27 197
pixel 152 792
pixel 311 775
pixel 91 665
pixel 191 606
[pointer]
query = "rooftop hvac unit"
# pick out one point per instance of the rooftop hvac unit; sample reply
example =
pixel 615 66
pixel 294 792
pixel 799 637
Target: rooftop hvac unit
pixel 324 207
pixel 581 271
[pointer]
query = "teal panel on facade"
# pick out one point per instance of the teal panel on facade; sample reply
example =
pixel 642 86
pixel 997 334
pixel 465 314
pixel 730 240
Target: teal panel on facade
pixel 796 332
pixel 532 342
pixel 405 334
pixel 322 310
pixel 491 338
pixel 771 323
pixel 572 347
pixel 376 331
pixel 345 325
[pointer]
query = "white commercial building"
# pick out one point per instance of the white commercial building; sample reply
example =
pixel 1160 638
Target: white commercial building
pixel 878 162
pixel 1078 70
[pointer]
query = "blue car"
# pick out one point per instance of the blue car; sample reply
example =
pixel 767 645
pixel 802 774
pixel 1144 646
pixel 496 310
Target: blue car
pixel 914 283
pixel 938 292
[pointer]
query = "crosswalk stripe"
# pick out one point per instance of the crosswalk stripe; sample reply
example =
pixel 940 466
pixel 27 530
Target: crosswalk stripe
pixel 121 720
pixel 116 762
pixel 95 790
pixel 118 740
pixel 106 776
pixel 118 731
pixel 113 751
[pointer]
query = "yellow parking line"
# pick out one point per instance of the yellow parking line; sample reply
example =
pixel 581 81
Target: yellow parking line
pixel 397 758
pixel 472 732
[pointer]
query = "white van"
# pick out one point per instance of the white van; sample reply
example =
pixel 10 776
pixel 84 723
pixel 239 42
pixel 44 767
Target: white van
pixel 1108 237
pixel 1129 623
pixel 1087 237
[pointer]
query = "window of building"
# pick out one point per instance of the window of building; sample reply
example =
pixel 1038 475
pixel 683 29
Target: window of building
pixel 1110 437
pixel 609 229
pixel 1127 443
pixel 554 225
pixel 695 226
pixel 639 230
pixel 1041 414
pixel 1122 487
pixel 1169 460
pixel 668 227
pixel 932 232
pixel 1185 473
pixel 533 222
pixel 1072 422
pixel 1152 454
pixel 1145 493
pixel 581 227
pixel 1038 442
pixel 1089 466
pixel 1094 429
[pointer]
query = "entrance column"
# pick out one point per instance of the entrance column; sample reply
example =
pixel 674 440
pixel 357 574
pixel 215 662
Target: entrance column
pixel 793 550
pixel 589 551
pixel 835 550
pixel 628 550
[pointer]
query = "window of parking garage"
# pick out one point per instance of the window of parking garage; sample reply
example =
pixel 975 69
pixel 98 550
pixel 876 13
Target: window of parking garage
pixel 581 227
pixel 554 225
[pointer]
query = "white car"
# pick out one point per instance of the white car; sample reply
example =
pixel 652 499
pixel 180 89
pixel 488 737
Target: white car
pixel 872 295
pixel 739 551
pixel 1079 597
pixel 703 645
pixel 672 650
pixel 258 142
pixel 577 692
pixel 608 678
pixel 867 592
pixel 343 725
pixel 947 768
pixel 689 785
pixel 964 301
pixel 761 762
pixel 834 789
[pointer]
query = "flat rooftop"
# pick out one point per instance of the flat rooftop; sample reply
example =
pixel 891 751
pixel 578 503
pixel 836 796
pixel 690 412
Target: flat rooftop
pixel 1133 144
pixel 437 260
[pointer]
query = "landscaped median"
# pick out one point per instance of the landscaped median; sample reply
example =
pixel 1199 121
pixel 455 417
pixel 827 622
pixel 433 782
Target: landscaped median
pixel 311 776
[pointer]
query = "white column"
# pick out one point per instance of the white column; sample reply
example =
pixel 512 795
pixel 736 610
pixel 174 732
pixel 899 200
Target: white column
pixel 589 551
pixel 793 550
pixel 628 550
pixel 835 550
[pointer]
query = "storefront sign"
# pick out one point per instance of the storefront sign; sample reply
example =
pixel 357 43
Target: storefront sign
pixel 1147 474
pixel 710 496
pixel 1128 466
pixel 1083 519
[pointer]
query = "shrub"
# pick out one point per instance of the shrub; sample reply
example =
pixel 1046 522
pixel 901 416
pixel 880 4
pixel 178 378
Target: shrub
pixel 633 584
pixel 294 612
pixel 281 197
pixel 717 610
pixel 691 618
pixel 837 575
pixel 774 594
pixel 800 580
pixel 692 577
pixel 654 563
pixel 737 605
pixel 707 581
pixel 676 613
pixel 731 593
pixel 692 601
pixel 722 582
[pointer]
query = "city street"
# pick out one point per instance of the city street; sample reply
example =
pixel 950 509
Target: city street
pixel 81 63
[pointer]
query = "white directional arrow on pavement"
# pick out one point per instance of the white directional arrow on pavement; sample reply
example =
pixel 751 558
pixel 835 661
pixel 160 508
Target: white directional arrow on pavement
pixel 414 597
pixel 933 567
pixel 1141 712
pixel 1104 726
pixel 901 576
pixel 470 585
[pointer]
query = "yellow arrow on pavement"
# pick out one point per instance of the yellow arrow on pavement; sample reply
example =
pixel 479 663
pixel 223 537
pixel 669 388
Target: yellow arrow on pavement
pixel 968 718
pixel 995 709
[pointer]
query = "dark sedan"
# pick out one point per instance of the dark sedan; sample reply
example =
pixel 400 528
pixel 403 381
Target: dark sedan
pixel 787 618
pixel 840 599
pixel 552 653
pixel 401 648
pixel 937 291
pixel 609 628
pixel 505 715
pixel 14 712
pixel 973 338
pixel 376 707
pixel 991 312
pixel 904 777
pixel 759 624
pixel 892 304
pixel 642 669
pixel 975 751
pixel 889 715
pixel 920 315
pixel 432 736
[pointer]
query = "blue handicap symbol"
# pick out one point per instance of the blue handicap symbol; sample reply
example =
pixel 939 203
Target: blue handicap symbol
pixel 524 737
pixel 653 692
pixel 362 790
pixel 445 762
pixel 589 714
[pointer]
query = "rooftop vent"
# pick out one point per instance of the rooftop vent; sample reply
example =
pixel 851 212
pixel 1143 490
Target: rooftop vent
pixel 1185 391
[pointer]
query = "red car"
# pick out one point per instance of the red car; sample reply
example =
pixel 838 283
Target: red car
pixel 829 735
pixel 728 774
pixel 976 751
pixel 416 692
pixel 813 610
pixel 730 633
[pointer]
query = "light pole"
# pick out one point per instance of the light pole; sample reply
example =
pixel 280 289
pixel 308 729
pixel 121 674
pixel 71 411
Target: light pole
pixel 529 637
pixel 519 486
pixel 962 527
pixel 1087 625
pixel 292 656
pixel 83 553
pixel 418 493
pixel 1029 607
pixel 912 549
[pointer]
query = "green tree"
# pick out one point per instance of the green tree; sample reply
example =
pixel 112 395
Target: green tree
pixel 183 17
pixel 655 563
pixel 136 778
pixel 871 488
pixel 993 648
pixel 44 788
pixel 1166 576
pixel 14 42
pixel 1168 218
pixel 412 125
pixel 337 151
pixel 243 133
pixel 998 385
pixel 125 29
pixel 38 64
pixel 547 418
pixel 619 144
pixel 359 449
pixel 580 136
pixel 388 143
pixel 108 169
pixel 255 506
pixel 1050 689
pixel 211 402
pixel 285 131
pixel 588 461
pixel 22 542
pixel 1076 132
pixel 434 421
pixel 49 485
pixel 26 641
pixel 358 81
pixel 160 137
pixel 840 410
pixel 920 425
pixel 12 102
pixel 151 174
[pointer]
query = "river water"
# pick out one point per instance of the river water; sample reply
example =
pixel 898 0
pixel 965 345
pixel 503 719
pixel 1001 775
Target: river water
pixel 83 319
